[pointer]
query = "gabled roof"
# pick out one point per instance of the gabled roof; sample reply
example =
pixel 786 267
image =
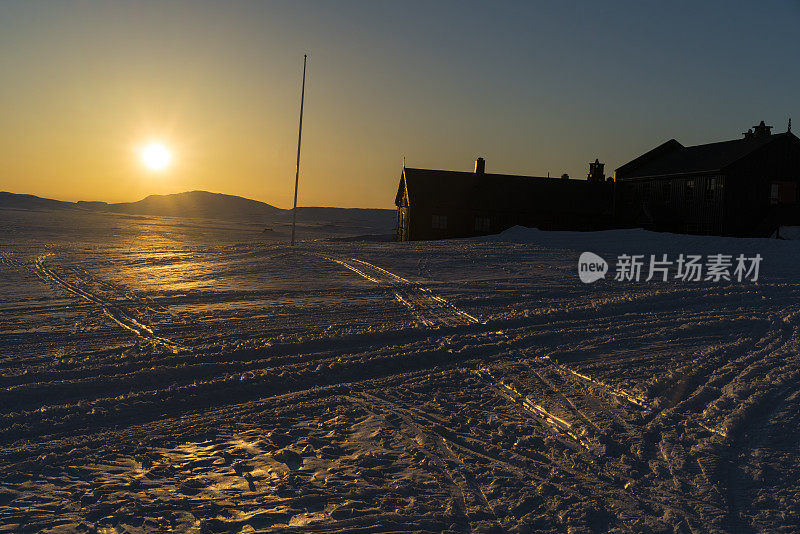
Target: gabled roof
pixel 658 152
pixel 673 158
pixel 496 192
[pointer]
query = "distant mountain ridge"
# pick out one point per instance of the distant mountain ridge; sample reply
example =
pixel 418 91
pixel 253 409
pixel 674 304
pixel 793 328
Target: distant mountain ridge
pixel 32 202
pixel 196 204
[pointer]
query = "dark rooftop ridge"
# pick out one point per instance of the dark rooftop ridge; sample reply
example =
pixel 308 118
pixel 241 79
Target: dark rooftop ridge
pixel 673 158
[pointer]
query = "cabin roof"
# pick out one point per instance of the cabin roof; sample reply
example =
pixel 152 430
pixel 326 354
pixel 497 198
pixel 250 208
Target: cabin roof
pixel 672 158
pixel 496 192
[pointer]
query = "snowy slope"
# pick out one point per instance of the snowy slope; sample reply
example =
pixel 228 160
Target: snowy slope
pixel 165 375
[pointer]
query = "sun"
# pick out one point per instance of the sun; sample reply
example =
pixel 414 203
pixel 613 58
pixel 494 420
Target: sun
pixel 156 156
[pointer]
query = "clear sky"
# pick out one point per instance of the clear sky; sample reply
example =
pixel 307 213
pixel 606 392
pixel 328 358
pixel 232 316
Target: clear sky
pixel 531 86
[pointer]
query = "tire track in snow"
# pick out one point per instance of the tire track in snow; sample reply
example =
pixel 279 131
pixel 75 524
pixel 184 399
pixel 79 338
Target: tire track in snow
pixel 468 450
pixel 591 438
pixel 593 430
pixel 113 312
pixel 429 309
pixel 7 258
pixel 512 393
pixel 706 387
pixel 421 308
pixel 636 400
pixel 146 302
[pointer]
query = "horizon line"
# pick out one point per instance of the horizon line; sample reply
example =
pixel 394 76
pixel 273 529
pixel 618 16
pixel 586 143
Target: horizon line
pixel 185 192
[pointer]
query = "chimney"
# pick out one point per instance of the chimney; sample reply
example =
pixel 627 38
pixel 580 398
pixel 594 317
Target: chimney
pixel 480 166
pixel 596 171
pixel 762 130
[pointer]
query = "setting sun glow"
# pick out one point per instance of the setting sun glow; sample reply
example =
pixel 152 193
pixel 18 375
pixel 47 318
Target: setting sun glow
pixel 155 156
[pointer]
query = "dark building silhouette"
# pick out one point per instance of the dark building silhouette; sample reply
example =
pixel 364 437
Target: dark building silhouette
pixel 744 187
pixel 435 204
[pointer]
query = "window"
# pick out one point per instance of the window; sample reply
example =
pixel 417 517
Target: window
pixel 482 224
pixel 783 193
pixel 690 190
pixel 439 221
pixel 711 185
pixel 665 191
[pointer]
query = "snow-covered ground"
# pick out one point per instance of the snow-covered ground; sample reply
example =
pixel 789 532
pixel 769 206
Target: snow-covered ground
pixel 165 375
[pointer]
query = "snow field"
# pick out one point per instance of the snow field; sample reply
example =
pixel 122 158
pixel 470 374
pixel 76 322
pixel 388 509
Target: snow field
pixel 197 378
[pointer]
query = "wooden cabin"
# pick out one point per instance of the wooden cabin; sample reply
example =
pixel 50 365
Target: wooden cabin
pixel 744 187
pixel 437 204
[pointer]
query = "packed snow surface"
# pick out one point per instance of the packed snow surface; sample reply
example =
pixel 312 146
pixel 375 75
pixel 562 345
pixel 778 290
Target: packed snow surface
pixel 184 375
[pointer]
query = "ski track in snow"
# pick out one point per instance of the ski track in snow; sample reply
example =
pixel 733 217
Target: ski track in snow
pixel 181 381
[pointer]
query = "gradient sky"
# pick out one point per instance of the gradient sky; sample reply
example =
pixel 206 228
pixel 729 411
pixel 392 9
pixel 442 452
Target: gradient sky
pixel 531 86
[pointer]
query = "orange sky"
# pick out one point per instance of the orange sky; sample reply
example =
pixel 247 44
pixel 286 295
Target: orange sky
pixel 533 88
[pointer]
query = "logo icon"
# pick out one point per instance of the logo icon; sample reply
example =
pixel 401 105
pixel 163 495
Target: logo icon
pixel 591 267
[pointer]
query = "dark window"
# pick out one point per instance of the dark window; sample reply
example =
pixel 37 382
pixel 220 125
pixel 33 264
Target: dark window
pixel 690 190
pixel 665 191
pixel 482 224
pixel 711 185
pixel 782 193
pixel 439 221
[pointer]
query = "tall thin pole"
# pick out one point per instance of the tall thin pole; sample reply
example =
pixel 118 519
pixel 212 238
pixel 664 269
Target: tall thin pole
pixel 299 138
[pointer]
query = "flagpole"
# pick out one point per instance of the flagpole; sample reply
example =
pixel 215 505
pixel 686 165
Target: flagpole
pixel 299 137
